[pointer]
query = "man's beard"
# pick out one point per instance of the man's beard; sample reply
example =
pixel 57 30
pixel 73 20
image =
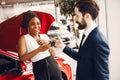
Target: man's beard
pixel 81 26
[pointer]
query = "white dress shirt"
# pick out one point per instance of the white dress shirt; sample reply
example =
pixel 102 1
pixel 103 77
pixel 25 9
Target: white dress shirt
pixel 88 31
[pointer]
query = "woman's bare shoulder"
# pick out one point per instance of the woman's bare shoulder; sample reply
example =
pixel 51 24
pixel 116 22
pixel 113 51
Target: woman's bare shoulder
pixel 22 37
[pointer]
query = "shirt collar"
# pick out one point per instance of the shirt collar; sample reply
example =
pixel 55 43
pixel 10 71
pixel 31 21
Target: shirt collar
pixel 87 32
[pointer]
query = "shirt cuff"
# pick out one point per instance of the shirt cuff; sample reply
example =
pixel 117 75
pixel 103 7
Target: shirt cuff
pixel 63 46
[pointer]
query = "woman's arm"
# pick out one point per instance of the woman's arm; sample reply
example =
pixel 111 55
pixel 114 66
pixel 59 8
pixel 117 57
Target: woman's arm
pixel 22 50
pixel 52 51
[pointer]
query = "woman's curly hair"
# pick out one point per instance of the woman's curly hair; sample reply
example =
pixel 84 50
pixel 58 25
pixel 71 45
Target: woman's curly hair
pixel 27 16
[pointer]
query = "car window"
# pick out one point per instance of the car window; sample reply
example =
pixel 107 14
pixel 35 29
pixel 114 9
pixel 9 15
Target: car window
pixel 54 28
pixel 7 64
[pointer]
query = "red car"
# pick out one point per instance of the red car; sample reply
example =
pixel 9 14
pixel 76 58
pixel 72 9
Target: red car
pixel 12 69
pixel 10 66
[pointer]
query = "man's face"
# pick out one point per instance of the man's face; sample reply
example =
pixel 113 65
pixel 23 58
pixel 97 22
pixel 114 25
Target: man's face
pixel 79 18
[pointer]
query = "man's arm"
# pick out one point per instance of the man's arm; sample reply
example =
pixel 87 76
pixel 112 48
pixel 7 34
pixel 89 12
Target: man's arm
pixel 101 55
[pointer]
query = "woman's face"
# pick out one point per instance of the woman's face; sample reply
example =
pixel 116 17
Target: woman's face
pixel 34 26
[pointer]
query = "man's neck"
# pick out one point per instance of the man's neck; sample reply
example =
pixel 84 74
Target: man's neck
pixel 90 27
pixel 90 24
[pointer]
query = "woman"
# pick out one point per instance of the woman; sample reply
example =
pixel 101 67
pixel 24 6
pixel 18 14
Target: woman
pixel 35 47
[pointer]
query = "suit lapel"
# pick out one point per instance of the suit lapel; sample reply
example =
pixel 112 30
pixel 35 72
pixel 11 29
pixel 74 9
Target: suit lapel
pixel 90 36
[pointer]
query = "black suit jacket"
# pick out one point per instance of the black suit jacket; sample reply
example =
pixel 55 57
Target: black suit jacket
pixel 92 57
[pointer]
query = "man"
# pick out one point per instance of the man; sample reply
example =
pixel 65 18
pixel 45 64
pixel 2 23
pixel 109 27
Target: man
pixel 93 53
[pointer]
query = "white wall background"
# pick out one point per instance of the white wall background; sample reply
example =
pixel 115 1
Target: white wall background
pixel 113 20
pixel 16 9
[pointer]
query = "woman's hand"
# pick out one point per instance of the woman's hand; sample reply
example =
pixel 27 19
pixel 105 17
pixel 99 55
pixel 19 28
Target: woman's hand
pixel 41 41
pixel 43 47
pixel 52 51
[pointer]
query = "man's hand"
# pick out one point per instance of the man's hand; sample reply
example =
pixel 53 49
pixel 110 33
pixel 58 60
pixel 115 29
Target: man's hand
pixel 58 42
